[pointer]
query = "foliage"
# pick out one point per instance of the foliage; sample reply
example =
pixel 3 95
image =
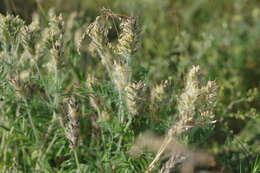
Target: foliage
pixel 80 92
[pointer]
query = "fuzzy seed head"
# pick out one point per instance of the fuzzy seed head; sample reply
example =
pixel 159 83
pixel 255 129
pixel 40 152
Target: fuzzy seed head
pixel 10 27
pixel 73 126
pixel 135 97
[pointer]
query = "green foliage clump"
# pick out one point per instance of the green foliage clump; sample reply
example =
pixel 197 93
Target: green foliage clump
pixel 77 95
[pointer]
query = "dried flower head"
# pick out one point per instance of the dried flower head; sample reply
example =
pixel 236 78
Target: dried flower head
pixel 158 92
pixel 135 97
pixel 73 126
pixel 115 57
pixel 128 38
pixel 30 37
pixel 53 39
pixel 196 104
pixel 10 27
pixel 190 161
pixel 17 86
pixel 98 31
pixel 195 108
pixel 157 96
pixel 172 162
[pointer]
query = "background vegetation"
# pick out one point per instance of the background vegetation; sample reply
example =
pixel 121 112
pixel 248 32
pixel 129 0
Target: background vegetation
pixel 222 37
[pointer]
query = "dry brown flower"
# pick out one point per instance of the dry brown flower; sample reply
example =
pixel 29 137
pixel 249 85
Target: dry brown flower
pixel 73 126
pixel 134 94
pixel 195 100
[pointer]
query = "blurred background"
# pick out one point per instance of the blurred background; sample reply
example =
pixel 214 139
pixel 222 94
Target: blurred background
pixel 221 36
